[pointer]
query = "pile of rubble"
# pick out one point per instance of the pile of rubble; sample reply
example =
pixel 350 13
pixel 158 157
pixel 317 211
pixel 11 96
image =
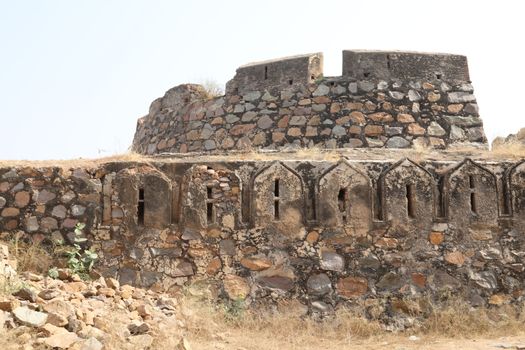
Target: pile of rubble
pixel 38 312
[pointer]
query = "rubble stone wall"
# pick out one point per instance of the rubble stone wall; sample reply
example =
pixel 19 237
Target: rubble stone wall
pixel 336 113
pixel 383 99
pixel 320 231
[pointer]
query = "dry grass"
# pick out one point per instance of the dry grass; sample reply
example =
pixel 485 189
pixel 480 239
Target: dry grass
pixel 509 150
pixel 212 88
pixel 79 162
pixel 458 152
pixel 31 256
pixel 233 327
pixel 457 319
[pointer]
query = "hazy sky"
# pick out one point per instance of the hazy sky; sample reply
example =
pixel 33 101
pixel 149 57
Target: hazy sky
pixel 76 75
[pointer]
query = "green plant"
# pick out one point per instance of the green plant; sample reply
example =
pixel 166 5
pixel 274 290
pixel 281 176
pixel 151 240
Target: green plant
pixel 79 260
pixel 234 309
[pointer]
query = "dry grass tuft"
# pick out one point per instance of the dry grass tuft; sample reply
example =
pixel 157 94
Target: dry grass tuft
pixel 31 256
pixel 509 150
pixel 458 319
pixel 76 163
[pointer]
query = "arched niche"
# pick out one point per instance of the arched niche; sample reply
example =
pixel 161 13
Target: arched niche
pixel 344 197
pixel 517 190
pixel 210 198
pixel 408 195
pixel 472 195
pixel 278 196
pixel 144 197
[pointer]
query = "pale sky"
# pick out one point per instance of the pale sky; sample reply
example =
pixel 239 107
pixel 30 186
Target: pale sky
pixel 76 75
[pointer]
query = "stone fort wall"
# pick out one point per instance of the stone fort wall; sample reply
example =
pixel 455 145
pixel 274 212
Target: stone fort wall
pixel 383 99
pixel 323 231
pixel 326 228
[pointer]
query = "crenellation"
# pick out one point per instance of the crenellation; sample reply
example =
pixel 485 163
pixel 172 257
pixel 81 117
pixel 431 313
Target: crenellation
pixel 278 74
pixel 406 66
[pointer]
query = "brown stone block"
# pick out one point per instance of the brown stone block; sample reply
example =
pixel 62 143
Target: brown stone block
pixel 419 279
pixel 10 212
pixel 386 242
pixel 283 122
pixel 241 129
pixel 357 118
pixel 214 266
pixel 294 132
pixel 352 287
pixel 436 238
pixel 415 129
pixel 256 264
pixel 405 118
pixel 322 99
pixel 455 258
pixel 381 117
pixel 335 107
pixel 373 130
pixel 312 237
pixel 354 106
pixel 455 108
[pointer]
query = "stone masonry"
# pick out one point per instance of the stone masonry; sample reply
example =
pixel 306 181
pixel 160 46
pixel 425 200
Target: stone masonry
pixel 383 100
pixel 386 207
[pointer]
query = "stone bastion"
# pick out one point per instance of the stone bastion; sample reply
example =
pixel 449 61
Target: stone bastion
pixel 382 100
pixel 370 188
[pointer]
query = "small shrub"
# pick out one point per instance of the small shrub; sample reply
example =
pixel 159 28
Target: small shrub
pixel 79 260
pixel 234 309
pixel 213 89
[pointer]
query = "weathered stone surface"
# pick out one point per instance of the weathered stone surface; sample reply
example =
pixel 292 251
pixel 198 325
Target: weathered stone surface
pixel 319 284
pixel 331 261
pixel 22 199
pixel 29 317
pixel 256 264
pixel 460 97
pixel 236 287
pixel 352 287
pixel 397 142
pixel 435 130
pixel 455 258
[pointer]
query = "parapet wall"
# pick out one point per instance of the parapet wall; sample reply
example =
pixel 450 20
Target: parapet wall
pixel 405 66
pixel 322 231
pixel 336 113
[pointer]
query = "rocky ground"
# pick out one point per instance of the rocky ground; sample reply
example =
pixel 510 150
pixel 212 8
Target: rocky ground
pixel 68 313
pixel 39 312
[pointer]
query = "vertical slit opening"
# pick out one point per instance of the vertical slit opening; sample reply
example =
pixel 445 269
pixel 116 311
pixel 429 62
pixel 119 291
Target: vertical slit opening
pixel 473 202
pixel 410 201
pixel 276 199
pixel 140 207
pixel 378 205
pixel 314 211
pixel 441 198
pixel 341 201
pixel 209 191
pixel 388 61
pixel 265 72
pixel 210 217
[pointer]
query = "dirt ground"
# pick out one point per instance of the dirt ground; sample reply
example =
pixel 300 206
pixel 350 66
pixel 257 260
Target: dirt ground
pixel 244 342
